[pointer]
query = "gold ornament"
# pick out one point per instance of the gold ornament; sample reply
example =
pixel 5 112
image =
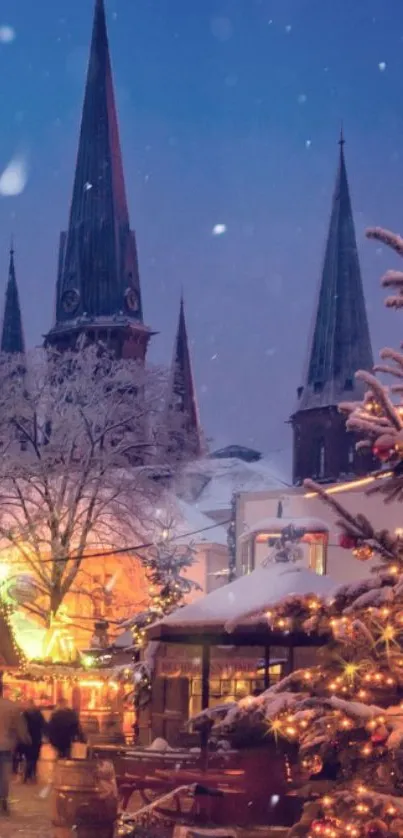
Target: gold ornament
pixel 312 764
pixel 363 552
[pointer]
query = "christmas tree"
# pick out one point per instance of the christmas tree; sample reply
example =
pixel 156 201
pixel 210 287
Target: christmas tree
pixel 166 564
pixel 346 713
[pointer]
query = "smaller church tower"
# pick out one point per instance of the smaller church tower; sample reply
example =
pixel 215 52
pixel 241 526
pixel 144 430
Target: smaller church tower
pixel 340 345
pixel 182 413
pixel 12 334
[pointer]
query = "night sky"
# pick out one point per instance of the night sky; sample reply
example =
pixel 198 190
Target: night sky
pixel 230 112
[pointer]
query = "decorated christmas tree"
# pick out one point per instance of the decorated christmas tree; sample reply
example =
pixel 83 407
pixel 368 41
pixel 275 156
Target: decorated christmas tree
pixel 346 712
pixel 167 564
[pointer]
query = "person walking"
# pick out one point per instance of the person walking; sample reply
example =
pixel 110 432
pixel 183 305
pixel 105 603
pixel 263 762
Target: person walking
pixel 13 730
pixel 63 729
pixel 36 727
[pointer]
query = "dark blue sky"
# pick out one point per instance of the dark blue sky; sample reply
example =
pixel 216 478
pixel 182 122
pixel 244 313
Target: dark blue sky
pixel 229 114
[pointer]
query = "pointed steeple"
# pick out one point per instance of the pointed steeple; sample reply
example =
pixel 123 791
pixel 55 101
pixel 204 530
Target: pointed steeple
pixel 340 344
pixel 12 335
pixel 98 275
pixel 182 408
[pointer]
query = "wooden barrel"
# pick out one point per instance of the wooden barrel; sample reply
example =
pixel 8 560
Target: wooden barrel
pixel 85 801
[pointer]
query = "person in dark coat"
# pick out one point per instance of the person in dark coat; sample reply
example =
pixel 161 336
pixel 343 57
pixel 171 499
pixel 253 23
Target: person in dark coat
pixel 63 729
pixel 36 727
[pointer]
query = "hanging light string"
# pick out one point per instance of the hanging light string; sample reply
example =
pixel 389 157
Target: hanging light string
pixel 134 548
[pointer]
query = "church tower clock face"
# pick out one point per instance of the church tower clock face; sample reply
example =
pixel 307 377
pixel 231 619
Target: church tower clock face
pixel 70 300
pixel 131 300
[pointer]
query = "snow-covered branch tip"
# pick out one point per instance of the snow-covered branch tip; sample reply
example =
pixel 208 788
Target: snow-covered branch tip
pixel 392 240
pixel 389 547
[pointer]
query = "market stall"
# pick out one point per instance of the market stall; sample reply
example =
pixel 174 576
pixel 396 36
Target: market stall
pixel 101 696
pixel 198 661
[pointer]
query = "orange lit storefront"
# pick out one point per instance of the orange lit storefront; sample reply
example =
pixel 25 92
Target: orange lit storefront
pixel 103 698
pixel 221 648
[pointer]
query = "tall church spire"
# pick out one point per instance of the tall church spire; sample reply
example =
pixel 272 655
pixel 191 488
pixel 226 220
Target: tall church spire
pixel 340 344
pixel 98 277
pixel 12 335
pixel 183 415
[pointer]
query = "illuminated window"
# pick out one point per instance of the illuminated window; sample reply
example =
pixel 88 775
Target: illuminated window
pixel 96 597
pixel 247 558
pixel 108 595
pixel 317 551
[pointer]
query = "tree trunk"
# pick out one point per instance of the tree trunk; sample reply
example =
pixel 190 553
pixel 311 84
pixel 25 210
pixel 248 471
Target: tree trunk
pixel 56 600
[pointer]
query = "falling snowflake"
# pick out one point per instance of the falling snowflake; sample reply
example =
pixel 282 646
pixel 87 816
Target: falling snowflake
pixel 7 34
pixel 308 143
pixel 219 229
pixel 221 28
pixel 302 98
pixel 288 28
pixel 87 186
pixel 13 179
pixel 382 66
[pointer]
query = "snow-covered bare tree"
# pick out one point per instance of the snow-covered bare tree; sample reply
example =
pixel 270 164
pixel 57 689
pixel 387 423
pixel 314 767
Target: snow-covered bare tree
pixel 79 456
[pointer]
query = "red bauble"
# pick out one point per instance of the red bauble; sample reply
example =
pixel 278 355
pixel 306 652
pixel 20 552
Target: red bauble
pixel 376 829
pixel 346 541
pixel 384 447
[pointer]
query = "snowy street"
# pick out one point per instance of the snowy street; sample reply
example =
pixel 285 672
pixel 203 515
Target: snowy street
pixel 30 816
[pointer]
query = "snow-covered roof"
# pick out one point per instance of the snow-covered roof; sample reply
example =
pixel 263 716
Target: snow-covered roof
pixel 187 523
pixel 211 483
pixel 191 519
pixel 275 525
pixel 254 592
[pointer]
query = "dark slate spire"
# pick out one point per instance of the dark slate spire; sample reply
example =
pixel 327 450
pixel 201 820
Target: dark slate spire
pixel 340 343
pixel 181 401
pixel 98 275
pixel 12 335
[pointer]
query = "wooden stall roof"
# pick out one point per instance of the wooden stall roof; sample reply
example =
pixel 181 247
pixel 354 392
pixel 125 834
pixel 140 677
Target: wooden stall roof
pixel 256 634
pixel 221 617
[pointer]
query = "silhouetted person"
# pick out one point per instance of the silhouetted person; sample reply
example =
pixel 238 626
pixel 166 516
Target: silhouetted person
pixel 63 729
pixel 36 727
pixel 13 730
